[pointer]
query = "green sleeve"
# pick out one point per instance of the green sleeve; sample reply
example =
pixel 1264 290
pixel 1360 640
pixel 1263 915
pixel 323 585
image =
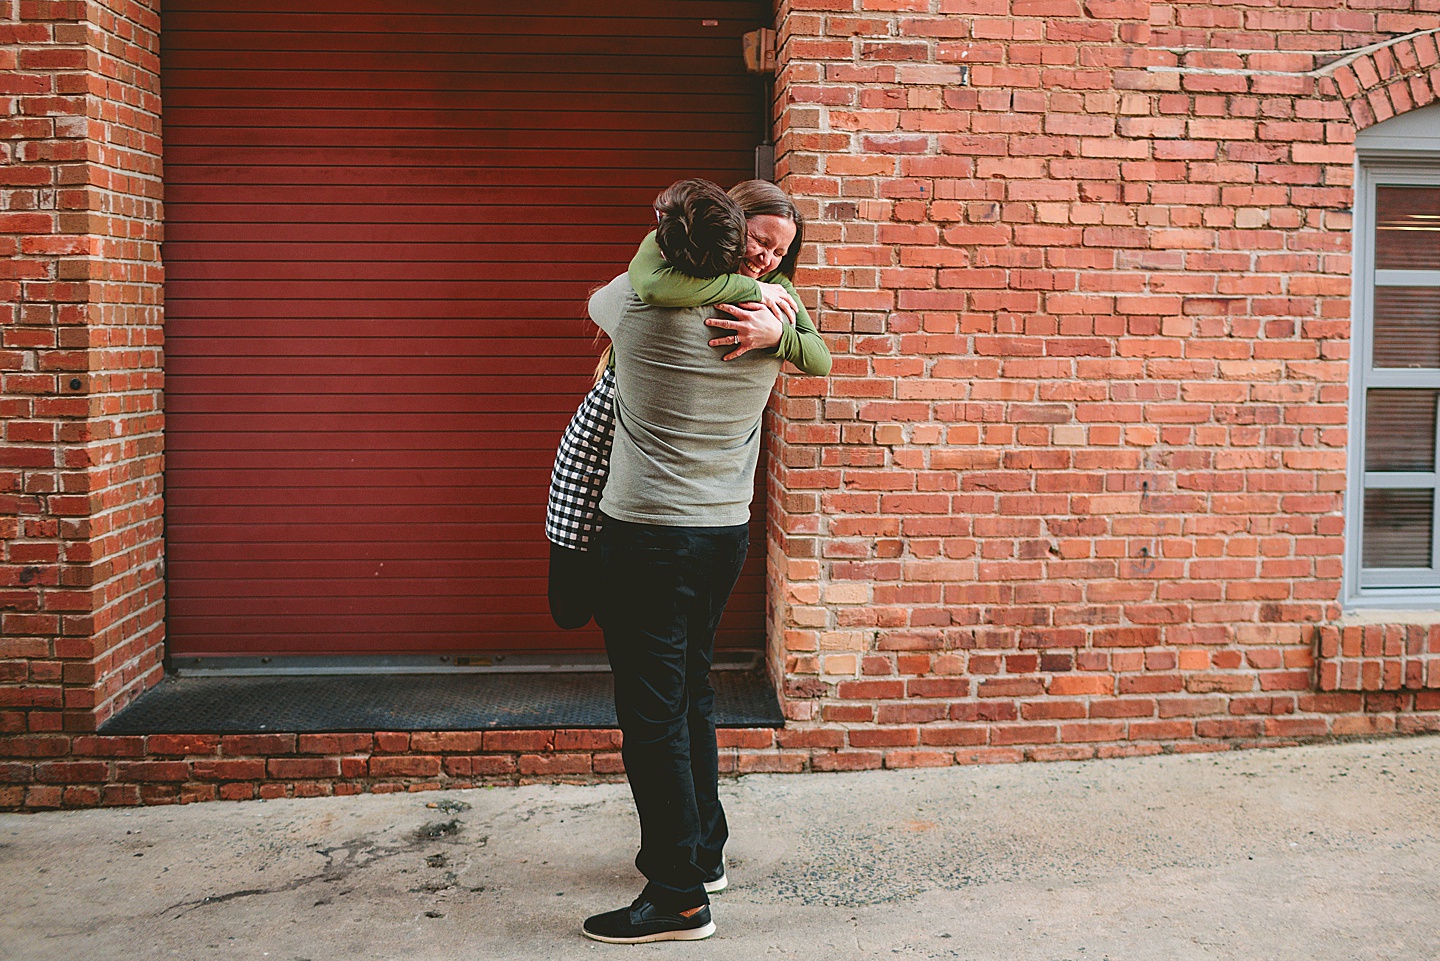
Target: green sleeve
pixel 660 285
pixel 801 344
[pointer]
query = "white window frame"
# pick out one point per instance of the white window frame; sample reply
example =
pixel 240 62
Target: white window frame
pixel 1391 588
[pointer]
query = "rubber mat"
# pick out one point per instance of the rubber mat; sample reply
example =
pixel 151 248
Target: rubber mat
pixel 411 702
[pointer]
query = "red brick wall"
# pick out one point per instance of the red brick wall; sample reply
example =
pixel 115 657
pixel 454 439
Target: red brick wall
pixel 81 588
pixel 1075 485
pixel 1073 489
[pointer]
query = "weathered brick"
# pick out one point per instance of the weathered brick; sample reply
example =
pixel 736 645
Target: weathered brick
pixel 446 742
pixel 333 743
pixel 554 764
pixel 183 744
pixel 404 766
pixel 291 768
pixel 152 771
pixel 519 741
pixel 242 745
pixel 228 769
pixel 847 761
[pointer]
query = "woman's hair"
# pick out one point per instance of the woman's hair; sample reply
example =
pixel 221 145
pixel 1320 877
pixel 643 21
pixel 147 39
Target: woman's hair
pixel 601 364
pixel 700 230
pixel 757 197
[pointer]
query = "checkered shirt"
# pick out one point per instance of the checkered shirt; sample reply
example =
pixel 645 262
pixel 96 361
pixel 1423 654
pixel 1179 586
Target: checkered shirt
pixel 572 517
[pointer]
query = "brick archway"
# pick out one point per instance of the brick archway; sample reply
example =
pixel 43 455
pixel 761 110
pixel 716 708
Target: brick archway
pixel 1387 79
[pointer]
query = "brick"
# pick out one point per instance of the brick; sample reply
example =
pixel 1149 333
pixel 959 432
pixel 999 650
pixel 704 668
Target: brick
pixel 1011 687
pixel 404 766
pixel 1230 728
pixel 518 741
pixel 391 742
pixel 993 755
pixel 912 759
pixel 810 738
pixel 292 768
pixel 884 737
pixel 43 796
pixel 333 743
pixel 228 769
pixel 739 738
pixel 238 745
pixel 1073 685
pixel 554 764
pixel 70 772
pixel 847 761
pixel 953 735
pixel 772 762
pixel 35 747
pixel 152 770
pixel 182 744
pixel 447 742
pixel 1024 734
pixel 490 765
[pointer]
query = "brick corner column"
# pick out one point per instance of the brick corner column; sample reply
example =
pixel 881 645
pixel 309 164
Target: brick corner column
pixel 808 419
pixel 81 576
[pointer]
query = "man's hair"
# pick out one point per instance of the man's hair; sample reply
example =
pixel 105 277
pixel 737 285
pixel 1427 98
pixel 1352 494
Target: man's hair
pixel 700 229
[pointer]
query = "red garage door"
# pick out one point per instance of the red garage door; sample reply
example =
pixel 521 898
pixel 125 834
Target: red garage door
pixel 383 218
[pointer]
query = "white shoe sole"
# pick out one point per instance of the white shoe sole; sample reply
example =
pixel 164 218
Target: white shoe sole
pixel 689 934
pixel 718 885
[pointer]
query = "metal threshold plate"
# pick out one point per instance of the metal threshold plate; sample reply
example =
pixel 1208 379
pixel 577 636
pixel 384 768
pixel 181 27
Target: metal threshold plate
pixel 411 702
pixel 574 663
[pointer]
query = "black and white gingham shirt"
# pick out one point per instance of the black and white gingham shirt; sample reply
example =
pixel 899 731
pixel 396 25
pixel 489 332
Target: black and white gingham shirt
pixel 572 517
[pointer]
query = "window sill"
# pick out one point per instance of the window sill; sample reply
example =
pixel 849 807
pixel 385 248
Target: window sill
pixel 1381 615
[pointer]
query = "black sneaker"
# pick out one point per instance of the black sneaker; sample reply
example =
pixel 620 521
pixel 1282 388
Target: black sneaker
pixel 643 921
pixel 716 881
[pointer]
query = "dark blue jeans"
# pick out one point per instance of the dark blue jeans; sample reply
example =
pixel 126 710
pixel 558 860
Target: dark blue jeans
pixel 662 591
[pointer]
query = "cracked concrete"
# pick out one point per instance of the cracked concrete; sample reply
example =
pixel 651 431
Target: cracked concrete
pixel 1326 853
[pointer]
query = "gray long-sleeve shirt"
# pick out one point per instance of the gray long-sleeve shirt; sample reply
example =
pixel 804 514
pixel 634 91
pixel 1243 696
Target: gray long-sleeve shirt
pixel 687 424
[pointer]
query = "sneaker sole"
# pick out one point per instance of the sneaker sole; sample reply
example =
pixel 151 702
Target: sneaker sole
pixel 685 934
pixel 715 887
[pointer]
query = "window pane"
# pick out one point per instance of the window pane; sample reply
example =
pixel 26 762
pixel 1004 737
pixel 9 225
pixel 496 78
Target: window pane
pixel 1400 430
pixel 1397 528
pixel 1407 327
pixel 1407 228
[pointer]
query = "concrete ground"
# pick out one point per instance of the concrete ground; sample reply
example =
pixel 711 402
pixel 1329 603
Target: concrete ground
pixel 1313 853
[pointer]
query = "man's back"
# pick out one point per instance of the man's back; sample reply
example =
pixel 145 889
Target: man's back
pixel 687 424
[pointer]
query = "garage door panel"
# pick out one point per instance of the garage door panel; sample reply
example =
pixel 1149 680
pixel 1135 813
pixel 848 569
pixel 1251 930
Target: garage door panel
pixel 581 69
pixel 215 430
pixel 383 220
pixel 710 95
pixel 502 279
pixel 201 501
pixel 486 405
pixel 372 108
pixel 542 311
pixel 479 203
pixel 189 237
pixel 448 21
pixel 440 364
pixel 225 340
pixel 457 145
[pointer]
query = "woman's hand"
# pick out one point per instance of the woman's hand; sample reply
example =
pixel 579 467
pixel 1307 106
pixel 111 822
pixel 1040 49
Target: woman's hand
pixel 778 299
pixel 754 326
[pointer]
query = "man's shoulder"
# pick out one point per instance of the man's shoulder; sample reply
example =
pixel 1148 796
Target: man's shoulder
pixel 611 304
pixel 608 305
